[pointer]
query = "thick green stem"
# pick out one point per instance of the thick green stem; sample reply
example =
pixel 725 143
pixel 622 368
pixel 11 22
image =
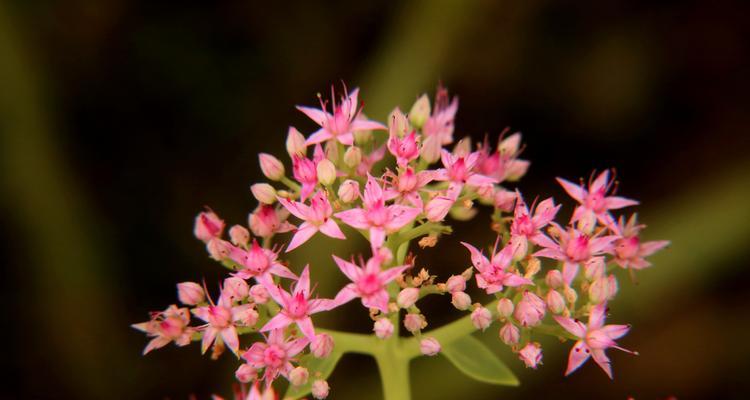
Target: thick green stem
pixel 394 371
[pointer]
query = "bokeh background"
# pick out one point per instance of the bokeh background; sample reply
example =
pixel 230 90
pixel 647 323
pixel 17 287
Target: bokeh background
pixel 120 119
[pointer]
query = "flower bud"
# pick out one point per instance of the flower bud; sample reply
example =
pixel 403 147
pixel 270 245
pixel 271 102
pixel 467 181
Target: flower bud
pixel 320 389
pixel 298 376
pixel 272 168
pixel 331 150
pixel 420 111
pixel 594 268
pixel 516 169
pixel 208 226
pixel 353 157
pixel 326 172
pixel 429 346
pixel 407 297
pixel 234 289
pixel 531 355
pixel 532 267
pixel 383 328
pixel 463 147
pixel 510 334
pixel 430 151
pixel 510 145
pixel 259 293
pixel 570 294
pixel 530 310
pixel 461 300
pixel 218 249
pixel 245 373
pixel 486 193
pixel 504 200
pixel 603 289
pixel 190 293
pixel 456 283
pixel 245 314
pixel 322 345
pixel 264 193
pixel 349 191
pixel 505 308
pixel 414 322
pixel 295 143
pixel 239 235
pixel 555 302
pixel 397 123
pixel 554 279
pixel 362 136
pixel 481 318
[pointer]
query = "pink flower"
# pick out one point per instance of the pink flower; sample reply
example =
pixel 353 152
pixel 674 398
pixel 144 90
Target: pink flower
pixel 368 161
pixel 297 306
pixel 170 325
pixel 492 274
pixel 259 263
pixel 208 226
pixel 573 248
pixel 594 202
pixel 459 170
pixel 275 355
pixel 267 221
pixel 342 123
pixel 221 318
pixel 628 250
pixel 405 149
pixel 376 216
pixel 528 227
pixel 439 126
pixel 530 310
pixel 407 185
pixel 595 338
pixel 305 171
pixel 317 217
pixel 368 282
pixel 531 355
pixel 502 164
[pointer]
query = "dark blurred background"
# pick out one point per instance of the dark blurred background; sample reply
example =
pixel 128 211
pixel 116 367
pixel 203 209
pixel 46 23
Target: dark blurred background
pixel 120 119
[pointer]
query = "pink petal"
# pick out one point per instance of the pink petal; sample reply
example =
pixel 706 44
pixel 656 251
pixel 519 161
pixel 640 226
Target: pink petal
pixel 306 190
pixel 615 331
pixel 351 102
pixel 346 294
pixel 209 335
pixel 230 338
pixel 503 258
pixel 366 124
pixel 318 305
pixel 615 202
pixel 391 273
pixel 545 212
pixel 514 280
pixel 356 218
pixel 477 258
pixel 303 234
pixel 321 135
pixel 602 360
pixel 319 116
pixel 346 138
pixel 306 326
pixel 303 283
pixel 596 318
pixel 553 253
pixel 600 182
pixel 156 343
pixel 477 180
pixel 331 229
pixel 569 272
pixel 297 209
pixel 373 191
pixel 577 328
pixel 400 216
pixel 601 244
pixel 282 271
pixel 349 269
pixel 277 322
pixel 377 237
pixel 377 300
pixel 576 192
pixel 295 346
pixel 578 355
pixel 648 248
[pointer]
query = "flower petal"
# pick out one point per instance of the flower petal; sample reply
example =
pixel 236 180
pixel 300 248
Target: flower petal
pixel 602 360
pixel 331 229
pixel 356 218
pixel 576 192
pixel 277 322
pixel 351 270
pixel 303 234
pixel 578 355
pixel 317 115
pixel 321 135
pixel 575 327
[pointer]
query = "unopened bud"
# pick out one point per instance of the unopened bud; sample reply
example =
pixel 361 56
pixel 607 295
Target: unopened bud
pixel 554 279
pixel 383 328
pixel 570 294
pixel 295 143
pixel 555 302
pixel 245 373
pixel 264 193
pixel 463 211
pixel 530 310
pixel 259 293
pixel 510 145
pixel 429 346
pixel 504 200
pixel 414 322
pixel 532 267
pixel 461 300
pixel 298 376
pixel 505 308
pixel 420 111
pixel 239 235
pixel 322 345
pixel 481 318
pixel 320 389
pixel 456 283
pixel 463 147
pixel 407 297
pixel 397 123
pixel 218 249
pixel 594 268
pixel 509 334
pixel 326 172
pixel 353 157
pixel 190 293
pixel 272 168
pixel 430 151
pixel 208 226
pixel 349 191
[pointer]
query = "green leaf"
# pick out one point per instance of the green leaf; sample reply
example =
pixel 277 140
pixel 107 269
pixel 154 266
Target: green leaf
pixel 324 366
pixel 477 361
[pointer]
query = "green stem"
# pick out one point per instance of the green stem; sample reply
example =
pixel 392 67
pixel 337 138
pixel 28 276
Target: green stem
pixel 394 371
pixel 290 184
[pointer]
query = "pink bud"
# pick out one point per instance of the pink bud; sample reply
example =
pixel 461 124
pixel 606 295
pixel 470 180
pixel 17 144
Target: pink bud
pixel 509 334
pixel 531 355
pixel 504 200
pixel 397 123
pixel 383 328
pixel 516 169
pixel 266 220
pixel 235 289
pixel 245 373
pixel 264 193
pixel 326 172
pixel 259 294
pixel 486 193
pixel 239 235
pixel 353 157
pixel 190 293
pixel 463 147
pixel 438 208
pixel 603 289
pixel 456 283
pixel 429 346
pixel 349 191
pixel 407 297
pixel 272 168
pixel 509 146
pixel 530 310
pixel 460 300
pixel 505 308
pixel 430 151
pixel 208 226
pixel 245 314
pixel 481 318
pixel 555 302
pixel 322 345
pixel 218 249
pixel 554 279
pixel 414 322
pixel 320 389
pixel 298 376
pixel 295 143
pixel 420 111
pixel 594 268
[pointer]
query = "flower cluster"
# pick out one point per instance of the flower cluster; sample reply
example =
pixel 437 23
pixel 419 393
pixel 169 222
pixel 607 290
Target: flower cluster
pixel 540 277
